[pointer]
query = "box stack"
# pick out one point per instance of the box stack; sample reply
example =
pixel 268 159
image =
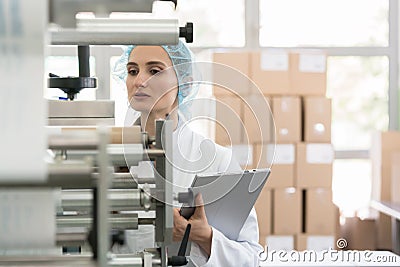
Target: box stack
pixel 385 159
pixel 360 234
pixel 295 209
pixel 242 117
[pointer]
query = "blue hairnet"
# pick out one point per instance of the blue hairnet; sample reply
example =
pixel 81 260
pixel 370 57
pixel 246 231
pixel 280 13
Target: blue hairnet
pixel 183 62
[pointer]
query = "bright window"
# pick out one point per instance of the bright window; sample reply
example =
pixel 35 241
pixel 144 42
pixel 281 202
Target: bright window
pixel 216 23
pixel 324 23
pixel 358 87
pixel 348 175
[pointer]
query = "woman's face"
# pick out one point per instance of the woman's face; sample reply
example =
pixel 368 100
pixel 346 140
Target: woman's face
pixel 151 82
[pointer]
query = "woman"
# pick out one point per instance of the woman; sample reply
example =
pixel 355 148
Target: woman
pixel 160 82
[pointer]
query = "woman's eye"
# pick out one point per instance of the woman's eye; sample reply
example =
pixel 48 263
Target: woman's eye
pixel 133 72
pixel 154 71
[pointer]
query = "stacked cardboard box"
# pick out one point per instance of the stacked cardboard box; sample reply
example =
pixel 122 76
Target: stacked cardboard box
pixel 263 208
pixel 286 124
pixel 385 176
pixel 395 177
pixel 360 234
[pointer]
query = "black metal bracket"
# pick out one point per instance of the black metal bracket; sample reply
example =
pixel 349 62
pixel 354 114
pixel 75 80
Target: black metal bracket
pixel 73 85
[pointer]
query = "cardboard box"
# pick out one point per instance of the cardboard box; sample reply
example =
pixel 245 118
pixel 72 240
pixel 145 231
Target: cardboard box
pixel 262 240
pixel 279 242
pixel 260 156
pixel 287 117
pixel 384 230
pixel 338 219
pixel 320 213
pixel 228 126
pixel 314 165
pixel 263 208
pixel 231 73
pixel 395 197
pixel 308 73
pixel 287 211
pixel 301 242
pixel 314 242
pixel 281 159
pixel 257 118
pixel 317 119
pixel 384 145
pixel 359 234
pixel 270 71
pixel 244 155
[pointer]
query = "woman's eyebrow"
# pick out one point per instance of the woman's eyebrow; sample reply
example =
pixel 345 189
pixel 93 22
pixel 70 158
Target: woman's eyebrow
pixel 156 63
pixel 132 64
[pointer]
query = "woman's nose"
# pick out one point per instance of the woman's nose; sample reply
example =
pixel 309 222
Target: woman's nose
pixel 141 80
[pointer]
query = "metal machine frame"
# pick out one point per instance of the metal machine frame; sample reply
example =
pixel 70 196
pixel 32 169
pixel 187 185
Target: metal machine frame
pixel 84 162
pixel 92 173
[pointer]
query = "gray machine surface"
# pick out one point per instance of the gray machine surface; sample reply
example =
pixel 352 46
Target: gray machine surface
pixel 81 113
pixel 228 198
pixel 90 190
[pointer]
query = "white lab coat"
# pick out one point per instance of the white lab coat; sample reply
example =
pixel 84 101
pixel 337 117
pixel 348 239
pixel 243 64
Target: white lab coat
pixel 193 153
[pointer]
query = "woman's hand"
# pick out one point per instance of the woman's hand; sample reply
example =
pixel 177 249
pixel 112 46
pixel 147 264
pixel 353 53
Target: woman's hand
pixel 201 231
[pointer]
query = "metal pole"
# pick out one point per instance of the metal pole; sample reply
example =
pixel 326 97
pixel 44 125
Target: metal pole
pixel 83 58
pixel 102 204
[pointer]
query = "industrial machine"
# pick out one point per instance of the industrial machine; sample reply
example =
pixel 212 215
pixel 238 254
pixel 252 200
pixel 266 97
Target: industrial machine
pixel 66 28
pixel 70 208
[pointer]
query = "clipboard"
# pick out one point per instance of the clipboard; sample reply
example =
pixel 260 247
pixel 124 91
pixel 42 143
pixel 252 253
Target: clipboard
pixel 228 198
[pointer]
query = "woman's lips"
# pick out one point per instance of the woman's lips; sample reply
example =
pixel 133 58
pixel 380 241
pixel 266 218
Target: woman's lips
pixel 140 95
